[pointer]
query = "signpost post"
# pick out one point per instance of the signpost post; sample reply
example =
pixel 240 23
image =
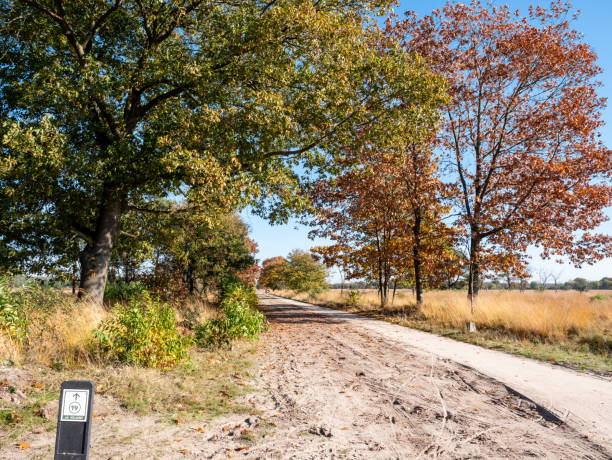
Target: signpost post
pixel 74 420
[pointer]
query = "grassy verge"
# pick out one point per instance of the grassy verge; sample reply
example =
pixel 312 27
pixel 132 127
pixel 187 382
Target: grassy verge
pixel 203 387
pixel 587 351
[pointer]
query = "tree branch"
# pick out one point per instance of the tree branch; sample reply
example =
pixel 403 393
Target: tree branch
pixel 83 233
pixel 98 23
pixel 61 20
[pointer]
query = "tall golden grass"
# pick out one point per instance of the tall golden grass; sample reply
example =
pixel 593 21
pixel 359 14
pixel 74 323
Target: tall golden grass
pixel 60 336
pixel 63 334
pixel 549 314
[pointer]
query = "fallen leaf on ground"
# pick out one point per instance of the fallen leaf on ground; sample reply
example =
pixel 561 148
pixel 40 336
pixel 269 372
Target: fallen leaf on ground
pixel 238 449
pixel 178 420
pixel 200 429
pixel 184 451
pixel 94 415
pixel 23 445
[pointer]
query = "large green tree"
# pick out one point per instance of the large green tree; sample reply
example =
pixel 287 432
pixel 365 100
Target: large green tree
pixel 111 104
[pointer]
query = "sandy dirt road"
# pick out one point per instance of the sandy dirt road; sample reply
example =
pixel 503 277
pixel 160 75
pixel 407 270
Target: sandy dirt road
pixel 335 374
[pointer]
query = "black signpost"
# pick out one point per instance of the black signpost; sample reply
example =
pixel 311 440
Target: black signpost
pixel 74 420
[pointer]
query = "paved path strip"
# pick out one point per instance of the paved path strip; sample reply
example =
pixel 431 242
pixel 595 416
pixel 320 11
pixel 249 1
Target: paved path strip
pixel 584 401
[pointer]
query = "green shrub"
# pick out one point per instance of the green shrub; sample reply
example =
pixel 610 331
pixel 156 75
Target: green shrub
pixel 239 318
pixel 123 292
pixel 145 333
pixel 240 292
pixel 12 317
pixel 353 298
pixel 599 298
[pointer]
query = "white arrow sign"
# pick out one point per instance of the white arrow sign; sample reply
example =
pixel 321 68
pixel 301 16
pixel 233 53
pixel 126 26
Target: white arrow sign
pixel 74 406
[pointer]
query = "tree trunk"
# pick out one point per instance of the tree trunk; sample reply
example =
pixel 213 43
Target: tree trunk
pixel 474 277
pixel 416 258
pixel 95 258
pixel 384 295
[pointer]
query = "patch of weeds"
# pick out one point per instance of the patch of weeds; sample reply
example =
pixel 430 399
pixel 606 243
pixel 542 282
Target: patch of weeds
pixel 239 319
pixel 203 386
pixel 17 421
pixel 352 298
pixel 265 428
pixel 247 436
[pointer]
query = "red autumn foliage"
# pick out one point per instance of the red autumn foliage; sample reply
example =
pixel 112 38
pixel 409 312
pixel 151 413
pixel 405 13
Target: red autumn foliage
pixel 520 134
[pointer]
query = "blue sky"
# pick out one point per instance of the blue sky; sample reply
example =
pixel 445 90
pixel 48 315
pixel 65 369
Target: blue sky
pixel 594 23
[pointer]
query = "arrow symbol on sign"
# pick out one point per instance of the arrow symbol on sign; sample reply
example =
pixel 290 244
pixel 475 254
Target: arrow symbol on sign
pixel 76 396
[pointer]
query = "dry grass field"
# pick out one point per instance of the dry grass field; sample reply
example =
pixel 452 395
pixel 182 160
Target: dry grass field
pixel 569 327
pixel 64 335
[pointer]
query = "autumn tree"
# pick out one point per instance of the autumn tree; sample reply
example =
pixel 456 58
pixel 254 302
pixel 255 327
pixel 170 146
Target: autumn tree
pixel 356 211
pixel 273 273
pixel 520 131
pixel 109 105
pixel 385 212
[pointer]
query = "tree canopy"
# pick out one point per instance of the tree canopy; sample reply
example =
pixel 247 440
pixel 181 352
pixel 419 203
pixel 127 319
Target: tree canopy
pixel 111 105
pixel 519 136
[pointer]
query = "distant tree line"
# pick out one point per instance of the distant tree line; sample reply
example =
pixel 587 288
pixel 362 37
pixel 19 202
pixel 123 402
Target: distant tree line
pixel 578 284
